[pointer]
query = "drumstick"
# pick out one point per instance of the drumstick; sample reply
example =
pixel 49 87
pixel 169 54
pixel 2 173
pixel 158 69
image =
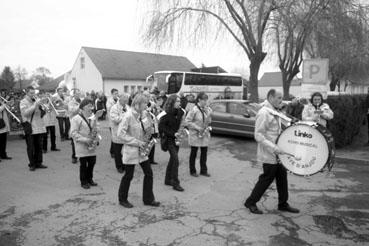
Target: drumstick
pixel 297 158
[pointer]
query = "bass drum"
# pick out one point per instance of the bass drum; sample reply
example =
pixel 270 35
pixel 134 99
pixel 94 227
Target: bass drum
pixel 311 148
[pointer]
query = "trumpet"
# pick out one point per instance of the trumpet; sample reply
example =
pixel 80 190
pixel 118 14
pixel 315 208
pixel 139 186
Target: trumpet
pixel 7 105
pixel 44 106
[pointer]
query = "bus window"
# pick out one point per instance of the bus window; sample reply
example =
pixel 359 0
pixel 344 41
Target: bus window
pixel 174 83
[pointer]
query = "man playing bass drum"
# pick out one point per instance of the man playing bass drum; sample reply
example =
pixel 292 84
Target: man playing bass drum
pixel 267 130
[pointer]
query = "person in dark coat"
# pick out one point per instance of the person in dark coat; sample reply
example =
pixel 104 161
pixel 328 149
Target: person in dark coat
pixel 171 124
pixel 295 108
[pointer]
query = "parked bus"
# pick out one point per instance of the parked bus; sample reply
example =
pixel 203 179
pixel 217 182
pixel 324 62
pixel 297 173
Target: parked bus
pixel 214 85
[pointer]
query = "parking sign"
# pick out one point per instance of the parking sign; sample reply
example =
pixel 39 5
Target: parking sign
pixel 314 77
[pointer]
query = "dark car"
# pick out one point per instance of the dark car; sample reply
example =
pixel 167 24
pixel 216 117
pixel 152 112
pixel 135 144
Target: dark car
pixel 233 117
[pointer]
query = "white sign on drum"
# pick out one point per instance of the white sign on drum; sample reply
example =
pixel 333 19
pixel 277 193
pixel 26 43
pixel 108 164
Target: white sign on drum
pixel 304 142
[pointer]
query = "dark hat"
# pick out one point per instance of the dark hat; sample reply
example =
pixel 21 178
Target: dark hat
pixel 85 102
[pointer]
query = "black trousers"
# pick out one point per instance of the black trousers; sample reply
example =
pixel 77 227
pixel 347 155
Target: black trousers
pixel 368 126
pixel 73 149
pixel 152 154
pixel 86 169
pixel 271 172
pixel 34 149
pixel 117 150
pixel 171 175
pixel 3 141
pixel 64 125
pixel 111 150
pixel 147 191
pixel 51 130
pixel 203 158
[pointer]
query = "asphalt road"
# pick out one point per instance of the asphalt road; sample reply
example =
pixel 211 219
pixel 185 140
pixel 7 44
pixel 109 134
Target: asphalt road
pixel 48 207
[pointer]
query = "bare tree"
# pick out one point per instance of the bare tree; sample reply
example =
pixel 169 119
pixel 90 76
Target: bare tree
pixel 292 26
pixel 246 21
pixel 20 74
pixel 342 36
pixel 41 75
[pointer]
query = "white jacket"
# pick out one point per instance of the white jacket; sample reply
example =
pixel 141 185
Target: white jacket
pixel 267 130
pixel 116 115
pixel 308 114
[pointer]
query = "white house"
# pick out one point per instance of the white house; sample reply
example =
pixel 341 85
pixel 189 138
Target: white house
pixel 273 80
pixel 103 69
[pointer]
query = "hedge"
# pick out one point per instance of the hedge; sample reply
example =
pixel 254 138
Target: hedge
pixel 349 114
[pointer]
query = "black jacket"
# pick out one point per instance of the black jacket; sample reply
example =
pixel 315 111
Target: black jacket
pixel 170 123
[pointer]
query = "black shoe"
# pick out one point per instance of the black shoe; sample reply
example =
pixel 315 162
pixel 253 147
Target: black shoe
pixel 194 174
pixel 85 186
pixel 92 183
pixel 74 160
pixel 41 166
pixel 126 204
pixel 153 204
pixel 120 170
pixel 32 168
pixel 6 158
pixel 205 174
pixel 154 163
pixel 44 151
pixel 55 149
pixel 253 209
pixel 289 209
pixel 178 188
pixel 112 155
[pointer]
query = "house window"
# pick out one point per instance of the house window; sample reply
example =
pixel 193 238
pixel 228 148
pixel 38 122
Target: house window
pixel 82 61
pixel 133 88
pixel 139 88
pixel 126 88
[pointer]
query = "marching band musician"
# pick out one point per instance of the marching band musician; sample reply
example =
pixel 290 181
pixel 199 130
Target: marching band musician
pixel 133 131
pixel 50 122
pixel 60 104
pixel 317 111
pixel 81 127
pixel 32 113
pixel 169 125
pixel 110 102
pixel 116 114
pixel 73 110
pixel 4 130
pixel 267 129
pixel 198 120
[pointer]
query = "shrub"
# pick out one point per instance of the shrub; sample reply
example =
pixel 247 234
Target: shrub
pixel 349 113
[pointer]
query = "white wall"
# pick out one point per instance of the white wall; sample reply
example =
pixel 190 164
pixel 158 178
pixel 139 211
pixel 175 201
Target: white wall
pixel 87 78
pixel 124 85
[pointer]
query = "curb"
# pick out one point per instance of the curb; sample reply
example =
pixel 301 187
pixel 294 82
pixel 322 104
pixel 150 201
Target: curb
pixel 352 160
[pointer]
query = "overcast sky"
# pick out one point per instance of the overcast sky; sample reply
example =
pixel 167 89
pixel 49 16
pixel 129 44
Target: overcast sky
pixel 50 33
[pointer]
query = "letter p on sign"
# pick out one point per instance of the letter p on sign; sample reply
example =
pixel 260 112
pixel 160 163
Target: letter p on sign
pixel 315 71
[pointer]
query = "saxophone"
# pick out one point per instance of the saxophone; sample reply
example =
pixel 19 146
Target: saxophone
pixel 149 143
pixel 180 135
pixel 206 128
pixel 94 134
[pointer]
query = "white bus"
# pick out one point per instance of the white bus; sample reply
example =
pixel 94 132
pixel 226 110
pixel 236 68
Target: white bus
pixel 214 85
